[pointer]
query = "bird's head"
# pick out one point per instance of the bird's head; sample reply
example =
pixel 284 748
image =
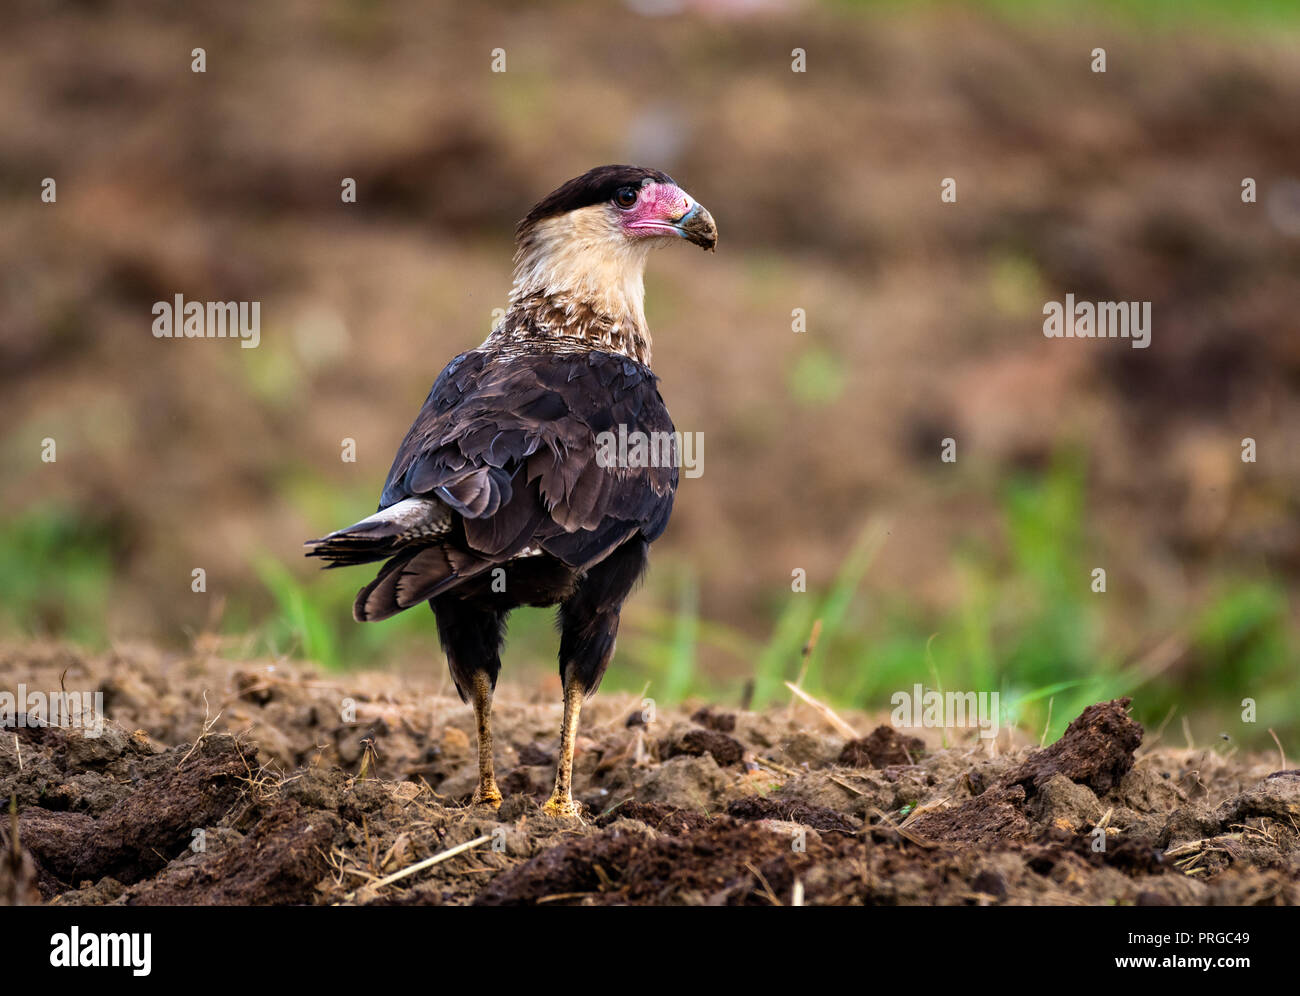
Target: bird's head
pixel 581 255
pixel 621 208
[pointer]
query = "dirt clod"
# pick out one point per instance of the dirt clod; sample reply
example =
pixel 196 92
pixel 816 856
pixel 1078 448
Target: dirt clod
pixel 1277 797
pixel 757 807
pixel 1096 751
pixel 723 722
pixel 722 748
pixel 996 815
pixel 279 862
pixel 882 747
pixel 141 833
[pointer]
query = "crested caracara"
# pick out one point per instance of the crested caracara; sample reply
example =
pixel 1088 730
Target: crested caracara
pixel 496 497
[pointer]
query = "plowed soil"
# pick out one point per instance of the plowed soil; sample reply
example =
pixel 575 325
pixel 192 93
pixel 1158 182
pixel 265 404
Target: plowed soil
pixel 250 783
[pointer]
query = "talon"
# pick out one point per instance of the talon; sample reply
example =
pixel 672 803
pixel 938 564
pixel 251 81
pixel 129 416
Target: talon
pixel 562 808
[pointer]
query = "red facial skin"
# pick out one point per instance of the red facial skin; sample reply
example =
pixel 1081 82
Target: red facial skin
pixel 659 206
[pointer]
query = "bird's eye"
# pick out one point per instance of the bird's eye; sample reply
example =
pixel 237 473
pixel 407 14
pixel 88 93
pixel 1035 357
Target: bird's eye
pixel 625 197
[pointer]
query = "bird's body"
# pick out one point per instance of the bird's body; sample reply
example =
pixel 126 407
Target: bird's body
pixel 501 495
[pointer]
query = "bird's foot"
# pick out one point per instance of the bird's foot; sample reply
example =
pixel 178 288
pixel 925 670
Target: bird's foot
pixel 562 807
pixel 488 795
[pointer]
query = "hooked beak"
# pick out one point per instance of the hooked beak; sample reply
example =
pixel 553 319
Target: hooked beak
pixel 697 226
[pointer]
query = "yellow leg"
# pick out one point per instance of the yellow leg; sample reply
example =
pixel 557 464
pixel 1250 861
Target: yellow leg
pixel 561 803
pixel 487 791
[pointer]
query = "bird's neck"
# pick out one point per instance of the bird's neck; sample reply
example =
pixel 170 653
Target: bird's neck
pixel 577 298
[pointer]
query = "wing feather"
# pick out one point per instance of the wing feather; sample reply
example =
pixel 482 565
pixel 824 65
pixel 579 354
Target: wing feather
pixel 509 445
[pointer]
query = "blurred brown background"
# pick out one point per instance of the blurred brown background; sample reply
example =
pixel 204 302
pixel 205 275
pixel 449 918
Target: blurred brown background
pixel 924 321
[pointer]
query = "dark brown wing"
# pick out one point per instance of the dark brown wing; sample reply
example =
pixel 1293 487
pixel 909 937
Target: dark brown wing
pixel 513 445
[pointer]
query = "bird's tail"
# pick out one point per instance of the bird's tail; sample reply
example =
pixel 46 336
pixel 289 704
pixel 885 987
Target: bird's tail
pixel 413 576
pixel 384 534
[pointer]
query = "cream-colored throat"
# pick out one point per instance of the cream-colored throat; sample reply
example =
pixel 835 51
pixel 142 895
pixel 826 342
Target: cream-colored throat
pixel 582 266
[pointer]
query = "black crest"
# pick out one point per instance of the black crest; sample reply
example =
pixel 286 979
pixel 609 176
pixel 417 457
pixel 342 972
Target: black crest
pixel 593 187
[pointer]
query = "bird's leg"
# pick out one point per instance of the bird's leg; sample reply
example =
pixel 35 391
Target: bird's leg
pixel 561 804
pixel 588 629
pixel 472 639
pixel 487 791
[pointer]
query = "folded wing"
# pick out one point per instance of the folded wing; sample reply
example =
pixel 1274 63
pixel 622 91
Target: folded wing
pixel 512 453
